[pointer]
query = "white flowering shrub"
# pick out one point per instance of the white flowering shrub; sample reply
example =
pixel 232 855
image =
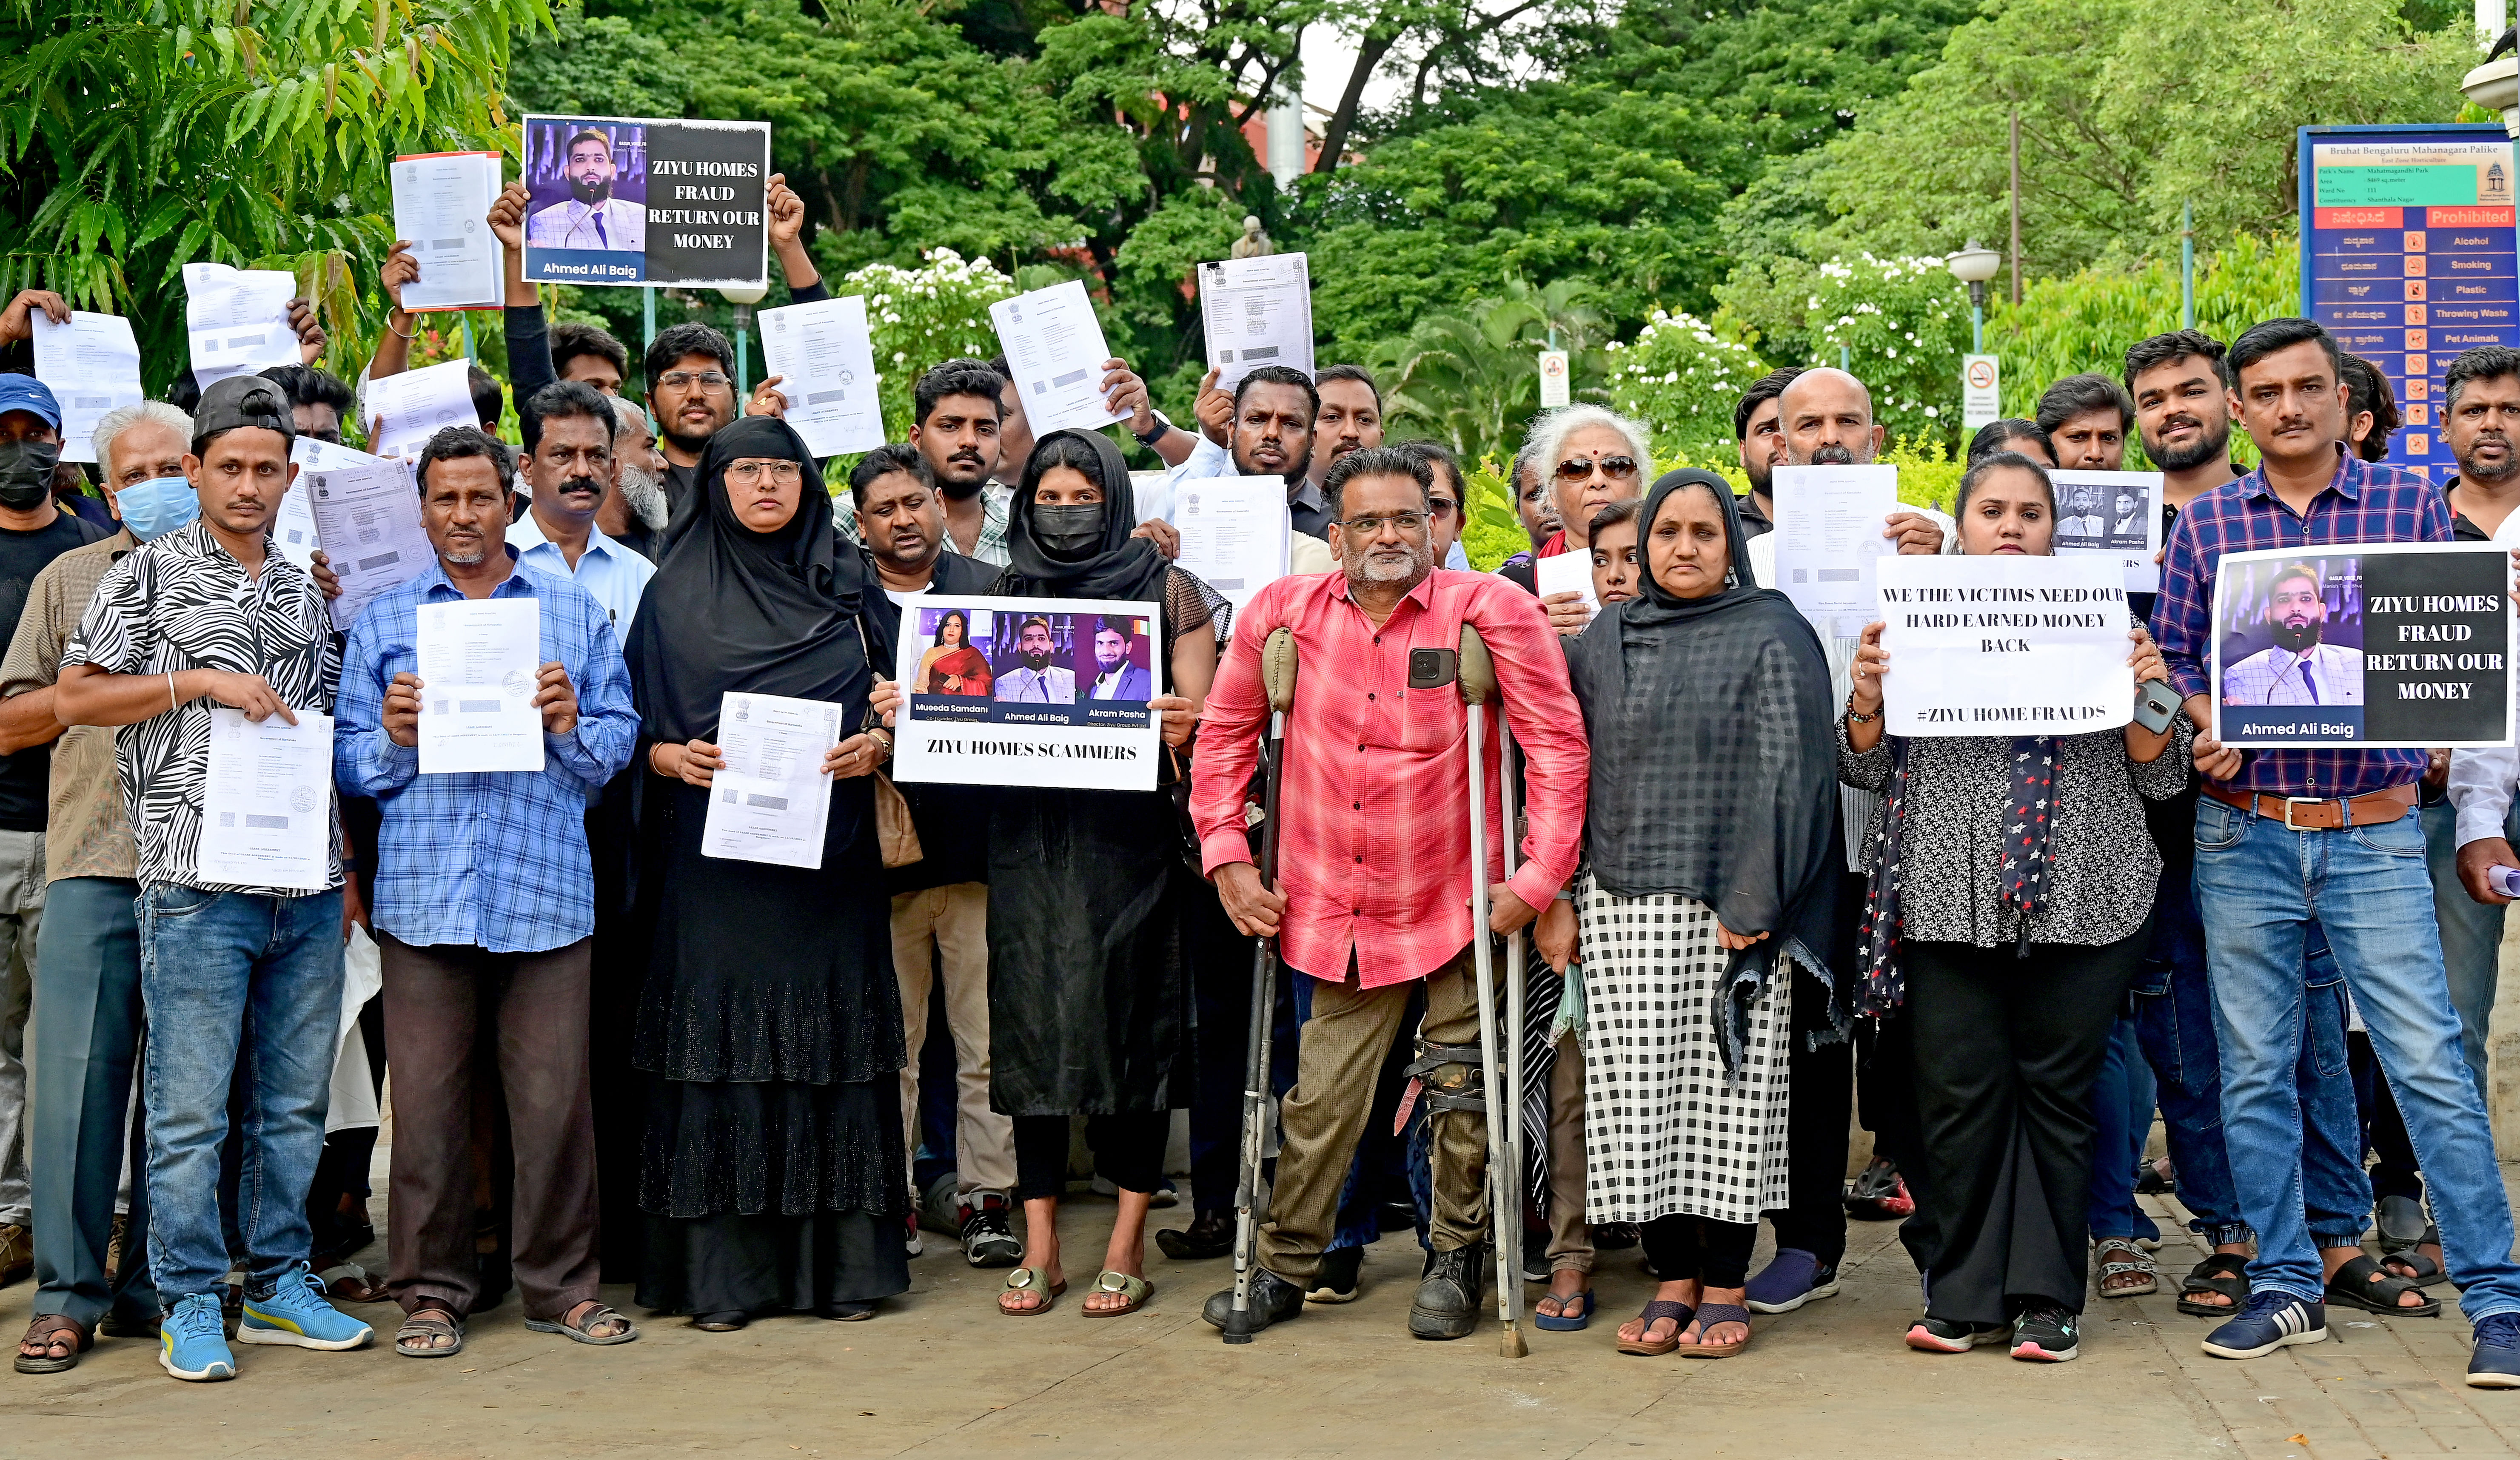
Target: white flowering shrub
pixel 920 317
pixel 1681 378
pixel 1903 324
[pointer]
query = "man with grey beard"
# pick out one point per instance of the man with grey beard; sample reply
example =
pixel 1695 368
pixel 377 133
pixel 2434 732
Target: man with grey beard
pixel 1367 914
pixel 1826 418
pixel 635 516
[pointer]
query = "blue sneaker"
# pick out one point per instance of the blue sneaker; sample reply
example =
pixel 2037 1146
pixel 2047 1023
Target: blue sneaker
pixel 2496 1364
pixel 1791 1278
pixel 296 1312
pixel 2268 1321
pixel 193 1341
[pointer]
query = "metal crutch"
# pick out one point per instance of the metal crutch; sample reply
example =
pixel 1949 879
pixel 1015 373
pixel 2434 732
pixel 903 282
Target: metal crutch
pixel 1504 1183
pixel 1277 680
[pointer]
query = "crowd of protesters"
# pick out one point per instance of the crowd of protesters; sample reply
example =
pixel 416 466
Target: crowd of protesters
pixel 746 1090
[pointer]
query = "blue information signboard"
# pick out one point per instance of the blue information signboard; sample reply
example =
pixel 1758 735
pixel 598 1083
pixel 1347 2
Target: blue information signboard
pixel 2406 256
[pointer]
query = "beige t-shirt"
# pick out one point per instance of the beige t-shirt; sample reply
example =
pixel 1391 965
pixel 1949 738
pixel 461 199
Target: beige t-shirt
pixel 87 832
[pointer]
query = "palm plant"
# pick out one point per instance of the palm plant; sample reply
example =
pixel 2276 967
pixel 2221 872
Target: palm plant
pixel 1472 378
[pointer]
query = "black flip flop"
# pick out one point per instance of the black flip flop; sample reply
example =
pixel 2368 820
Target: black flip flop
pixel 2363 1283
pixel 2426 1269
pixel 2224 1272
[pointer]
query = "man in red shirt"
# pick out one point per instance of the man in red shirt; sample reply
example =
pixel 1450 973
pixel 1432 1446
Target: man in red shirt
pixel 1374 851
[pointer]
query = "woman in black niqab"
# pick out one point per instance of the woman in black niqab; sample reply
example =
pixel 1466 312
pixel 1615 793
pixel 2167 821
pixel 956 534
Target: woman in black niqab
pixel 770 1019
pixel 1706 887
pixel 1088 989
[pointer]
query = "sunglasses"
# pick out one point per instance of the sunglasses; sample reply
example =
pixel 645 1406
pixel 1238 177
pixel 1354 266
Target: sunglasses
pixel 1616 468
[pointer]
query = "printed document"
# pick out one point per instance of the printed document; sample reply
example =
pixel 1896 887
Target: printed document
pixel 771 802
pixel 238 318
pixel 267 801
pixel 441 202
pixel 1258 311
pixel 477 662
pixel 825 361
pixel 1829 526
pixel 1054 348
pixel 367 521
pixel 1233 533
pixel 406 410
pixel 93 366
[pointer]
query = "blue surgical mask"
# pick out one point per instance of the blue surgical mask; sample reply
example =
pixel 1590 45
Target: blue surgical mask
pixel 158 507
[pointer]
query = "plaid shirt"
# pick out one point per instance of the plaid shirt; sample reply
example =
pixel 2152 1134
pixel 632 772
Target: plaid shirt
pixel 1387 880
pixel 498 860
pixel 2363 503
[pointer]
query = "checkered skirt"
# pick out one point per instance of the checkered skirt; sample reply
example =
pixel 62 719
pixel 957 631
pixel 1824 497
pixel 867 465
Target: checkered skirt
pixel 1665 1131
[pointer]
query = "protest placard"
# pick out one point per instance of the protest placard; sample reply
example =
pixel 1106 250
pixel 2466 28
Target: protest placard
pixel 2112 513
pixel 1030 692
pixel 2004 646
pixel 629 201
pixel 2375 644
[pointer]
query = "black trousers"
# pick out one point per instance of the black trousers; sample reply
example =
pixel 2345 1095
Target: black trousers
pixel 1823 1077
pixel 2007 1048
pixel 1128 1151
pixel 1714 1253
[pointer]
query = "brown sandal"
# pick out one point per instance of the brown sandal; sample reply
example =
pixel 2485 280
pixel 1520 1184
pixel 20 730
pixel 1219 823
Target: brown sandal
pixel 425 1328
pixel 1645 1343
pixel 42 1331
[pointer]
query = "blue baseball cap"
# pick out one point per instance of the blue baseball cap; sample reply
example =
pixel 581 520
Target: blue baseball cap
pixel 26 393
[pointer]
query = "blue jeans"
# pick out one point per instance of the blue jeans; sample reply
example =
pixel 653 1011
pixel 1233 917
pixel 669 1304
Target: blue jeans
pixel 236 980
pixel 2471 933
pixel 2122 1101
pixel 2261 889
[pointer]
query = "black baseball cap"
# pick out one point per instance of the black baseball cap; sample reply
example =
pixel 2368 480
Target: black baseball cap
pixel 241 401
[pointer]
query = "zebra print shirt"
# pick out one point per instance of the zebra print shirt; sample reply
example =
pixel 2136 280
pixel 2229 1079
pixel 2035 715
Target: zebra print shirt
pixel 182 603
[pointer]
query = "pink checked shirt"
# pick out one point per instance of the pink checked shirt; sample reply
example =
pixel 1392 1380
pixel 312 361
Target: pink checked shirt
pixel 1375 849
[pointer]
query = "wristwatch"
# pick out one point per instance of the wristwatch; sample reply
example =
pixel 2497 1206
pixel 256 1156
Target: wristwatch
pixel 1157 435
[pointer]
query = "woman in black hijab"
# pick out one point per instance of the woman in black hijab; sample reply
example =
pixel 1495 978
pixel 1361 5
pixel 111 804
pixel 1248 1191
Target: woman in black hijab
pixel 1089 992
pixel 1707 849
pixel 769 1020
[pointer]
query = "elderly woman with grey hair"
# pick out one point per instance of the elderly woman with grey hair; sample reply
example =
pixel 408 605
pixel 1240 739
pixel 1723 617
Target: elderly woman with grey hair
pixel 1589 456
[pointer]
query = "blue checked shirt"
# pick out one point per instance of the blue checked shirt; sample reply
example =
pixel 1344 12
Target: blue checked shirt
pixel 2363 502
pixel 496 860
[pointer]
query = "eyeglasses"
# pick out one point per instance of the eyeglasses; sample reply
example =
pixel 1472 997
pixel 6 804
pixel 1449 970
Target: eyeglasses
pixel 1408 525
pixel 1616 468
pixel 706 380
pixel 783 473
pixel 1438 507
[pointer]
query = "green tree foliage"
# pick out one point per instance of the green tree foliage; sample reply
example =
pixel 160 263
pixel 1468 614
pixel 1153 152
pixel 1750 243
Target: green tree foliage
pixel 2086 322
pixel 1900 324
pixel 141 137
pixel 921 316
pixel 2129 110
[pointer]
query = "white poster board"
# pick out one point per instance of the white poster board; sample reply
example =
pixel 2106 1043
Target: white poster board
pixel 2114 514
pixel 2005 645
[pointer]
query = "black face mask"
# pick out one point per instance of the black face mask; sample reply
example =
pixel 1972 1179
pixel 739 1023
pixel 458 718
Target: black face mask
pixel 26 473
pixel 1069 531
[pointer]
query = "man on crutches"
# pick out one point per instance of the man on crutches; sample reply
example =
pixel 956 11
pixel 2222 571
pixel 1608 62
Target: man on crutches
pixel 1375 885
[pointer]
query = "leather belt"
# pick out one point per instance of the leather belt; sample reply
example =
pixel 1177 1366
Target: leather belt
pixel 2317 814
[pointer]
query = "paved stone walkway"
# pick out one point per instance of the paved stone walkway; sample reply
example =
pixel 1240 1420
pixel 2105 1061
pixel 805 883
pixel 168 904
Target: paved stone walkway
pixel 939 1373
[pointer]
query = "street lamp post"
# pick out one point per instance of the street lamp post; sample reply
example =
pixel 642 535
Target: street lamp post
pixel 742 299
pixel 1974 266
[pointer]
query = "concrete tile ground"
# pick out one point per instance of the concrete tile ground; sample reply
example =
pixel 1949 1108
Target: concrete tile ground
pixel 938 1374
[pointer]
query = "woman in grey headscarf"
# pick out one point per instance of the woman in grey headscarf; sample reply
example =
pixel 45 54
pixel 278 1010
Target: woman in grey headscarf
pixel 1707 846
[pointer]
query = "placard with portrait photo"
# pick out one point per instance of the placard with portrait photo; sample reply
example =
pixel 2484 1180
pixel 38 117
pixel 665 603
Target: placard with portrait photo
pixel 1029 691
pixel 629 201
pixel 2373 645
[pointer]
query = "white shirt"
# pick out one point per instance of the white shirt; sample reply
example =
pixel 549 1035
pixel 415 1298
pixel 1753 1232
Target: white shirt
pixel 2481 785
pixel 613 573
